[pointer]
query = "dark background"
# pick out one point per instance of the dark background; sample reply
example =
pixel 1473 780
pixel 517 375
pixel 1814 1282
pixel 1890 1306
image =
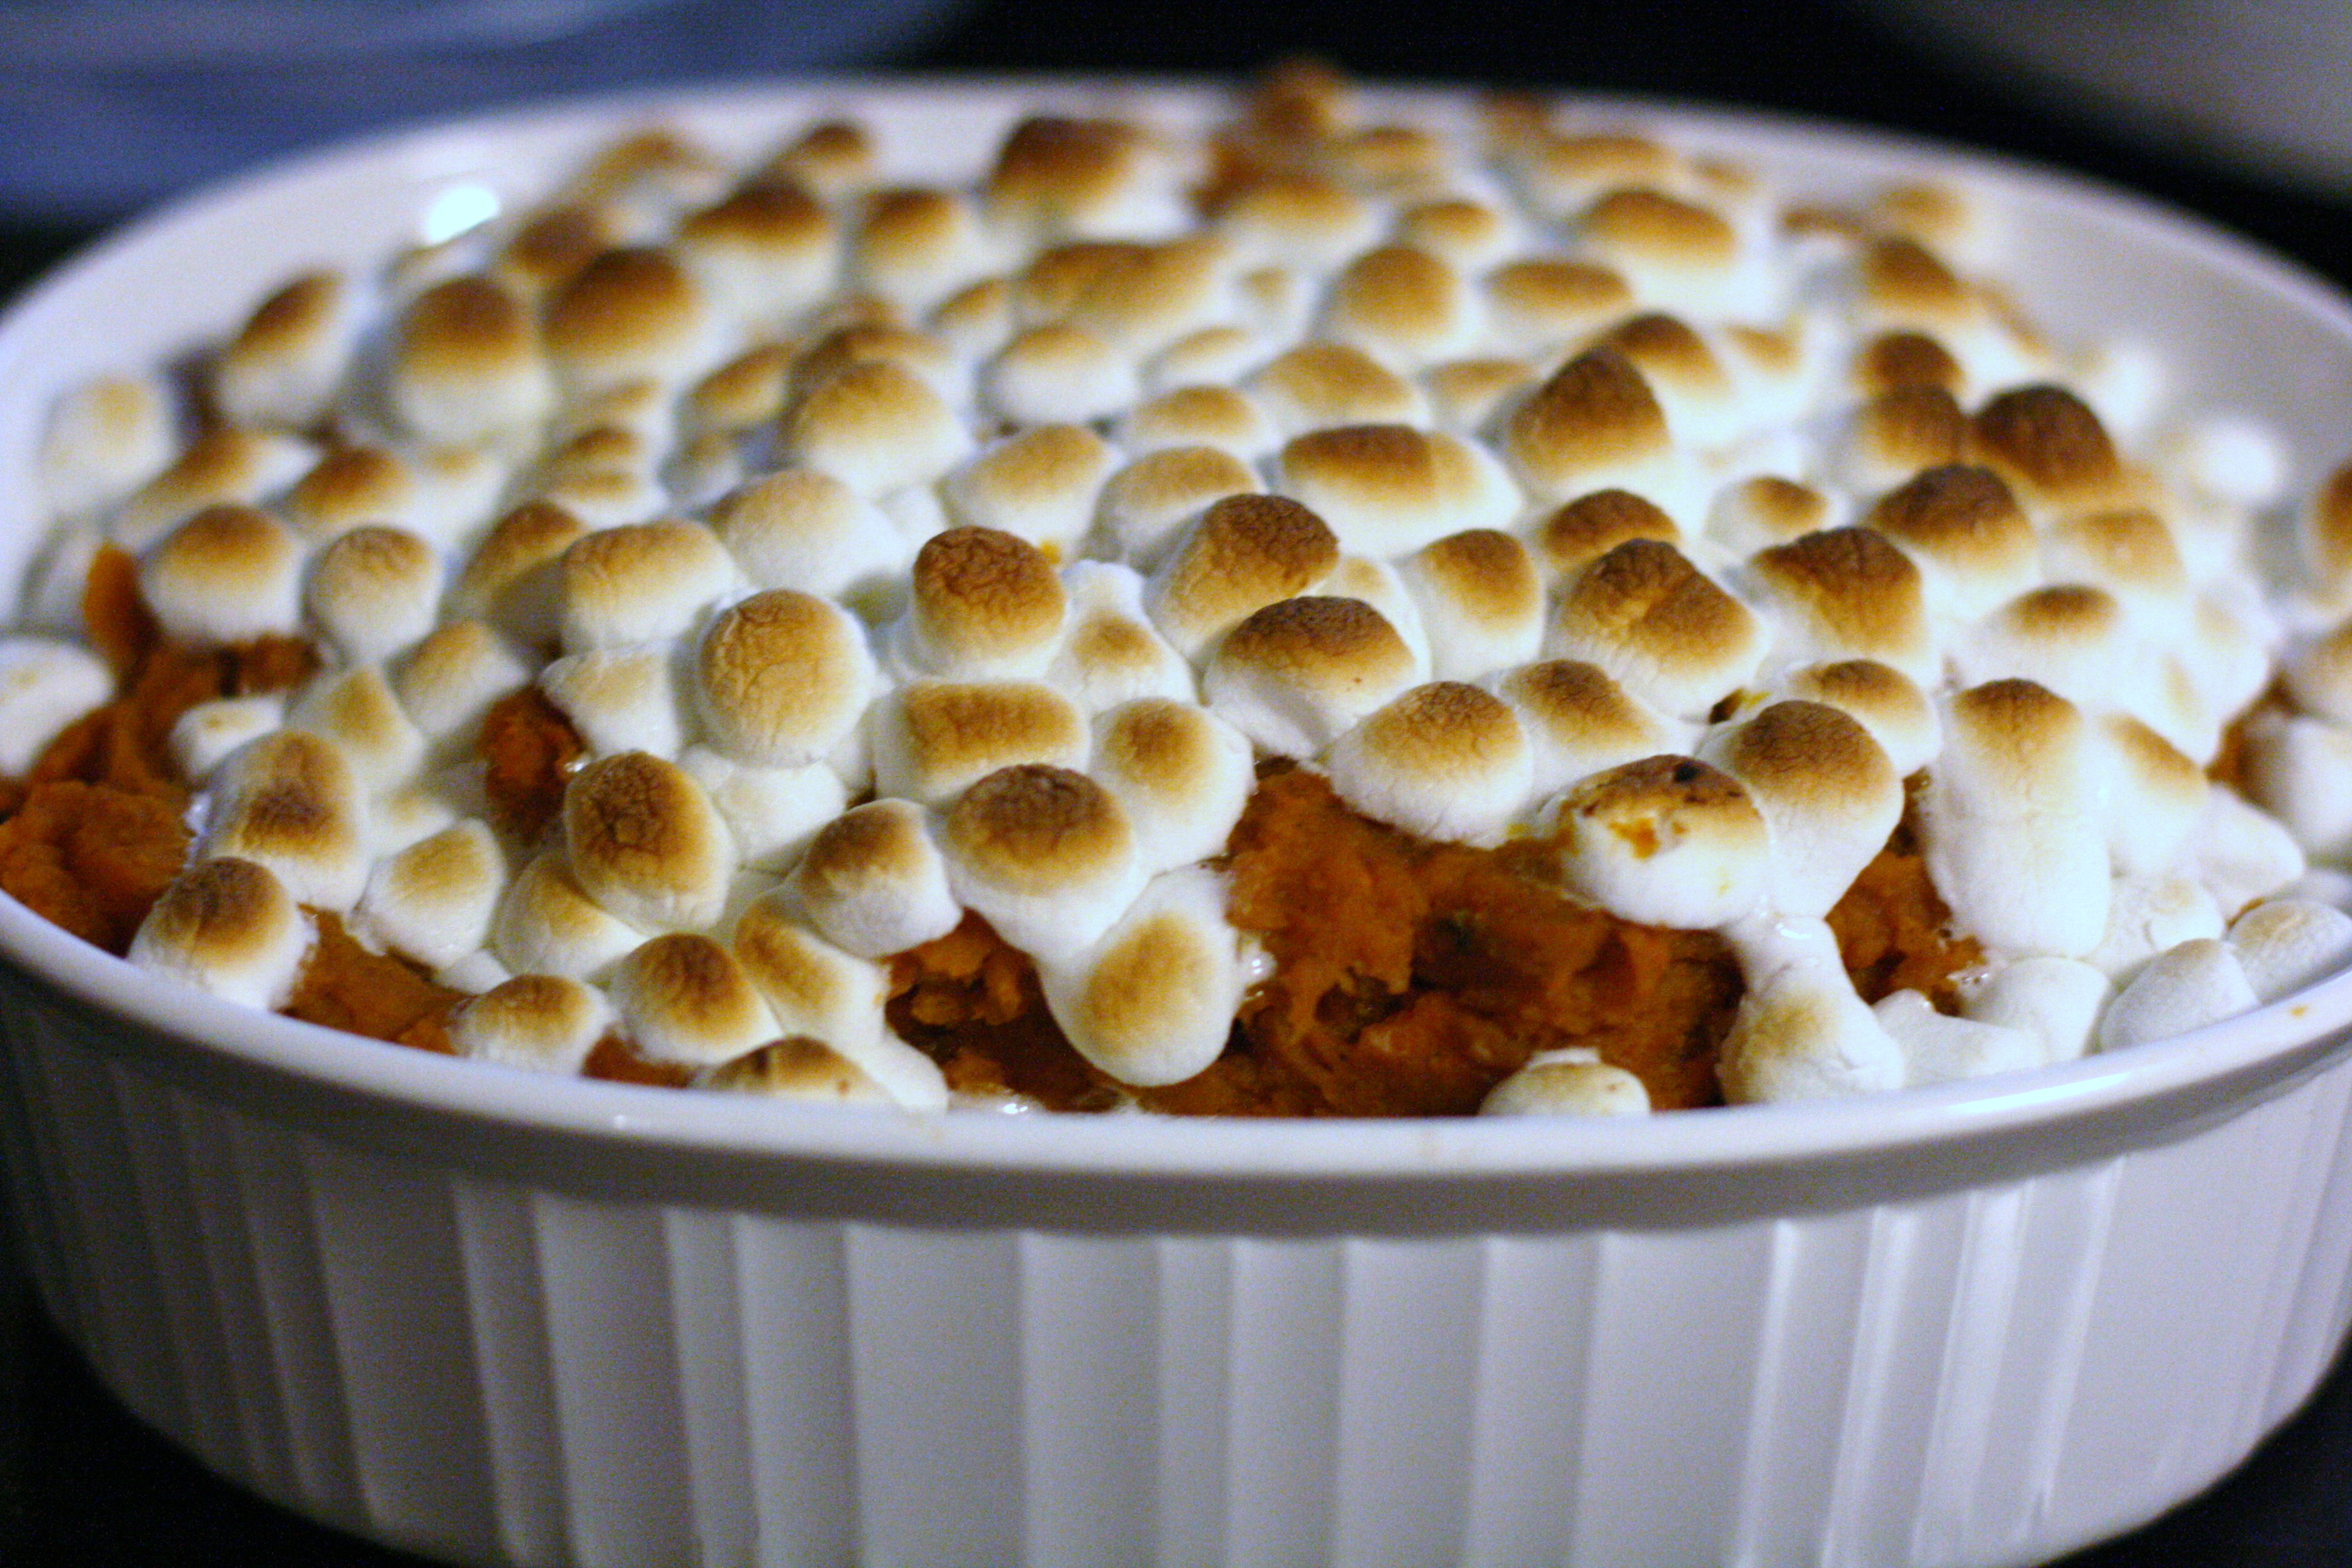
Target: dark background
pixel 81 1483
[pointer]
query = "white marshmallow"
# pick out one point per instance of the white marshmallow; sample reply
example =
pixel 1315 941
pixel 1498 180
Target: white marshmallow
pixel 641 583
pixel 373 591
pixel 105 438
pixel 2194 984
pixel 546 925
pixel 623 699
pixel 290 802
pixel 684 998
pixel 448 681
pixel 283 364
pixel 357 710
pixel 209 731
pixel 540 1023
pixel 770 813
pixel 2233 457
pixel 1826 790
pixel 932 738
pixel 1480 603
pixel 432 901
pixel 1112 653
pixel 1040 485
pixel 1801 1032
pixel 872 882
pixel 2300 770
pixel 227 574
pixel 1444 760
pixel 2241 854
pixel 2147 915
pixel 227 466
pixel 1058 375
pixel 805 529
pixel 44 686
pixel 1570 1082
pixel 1940 1049
pixel 1153 1000
pixel 1580 722
pixel 811 986
pixel 781 678
pixel 2286 944
pixel 2055 1000
pixel 1182 774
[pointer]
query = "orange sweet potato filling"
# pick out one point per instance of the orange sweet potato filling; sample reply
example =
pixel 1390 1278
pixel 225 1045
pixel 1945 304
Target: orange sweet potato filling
pixel 531 752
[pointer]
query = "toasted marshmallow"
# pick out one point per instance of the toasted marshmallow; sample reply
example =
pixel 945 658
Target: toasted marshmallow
pixel 514 580
pixel 45 685
pixel 770 813
pixel 2195 983
pixel 1907 358
pixel 1058 373
pixel 2073 639
pixel 432 901
pixel 1543 304
pixel 805 530
pixel 2015 842
pixel 976 320
pixel 1385 489
pixel 1210 357
pixel 285 362
pixel 622 699
pixel 2286 944
pixel 1180 773
pixel 1689 382
pixel 780 679
pixel 1197 416
pixel 2129 552
pixel 1381 586
pixel 290 801
pixel 543 1023
pixel 1665 841
pixel 228 927
pixel 2241 854
pixel 877 426
pixel 227 574
pixel 683 998
pixel 1969 532
pixel 1560 175
pixel 350 487
pixel 1399 160
pixel 201 737
pixel 2319 679
pixel 2324 532
pixel 1047 856
pixel 1111 653
pixel 1145 298
pixel 1580 722
pixel 1827 790
pixel 1153 1000
pixel 375 591
pixel 872 882
pixel 1571 1082
pixel 630 313
pixel 1659 626
pixel 1594 425
pixel 1470 234
pixel 1465 394
pixel 1480 601
pixel 1143 504
pixel 982 604
pixel 1885 701
pixel 2296 768
pixel 224 466
pixel 356 710
pixel 831 159
pixel 1897 435
pixel 916 246
pixel 447 680
pixel 1299 220
pixel 1297 674
pixel 2158 794
pixel 1246 553
pixel 1845 592
pixel 640 582
pixel 1444 760
pixel 1676 253
pixel 1040 485
pixel 467 364
pixel 105 438
pixel 1318 385
pixel 1403 306
pixel 2055 1000
pixel 546 925
pixel 814 989
pixel 746 391
pixel 933 738
pixel 1941 1050
pixel 2147 915
pixel 763 254
pixel 1801 1032
pixel 2050 446
pixel 1590 526
pixel 646 841
pixel 1764 511
pixel 550 246
pixel 801 1068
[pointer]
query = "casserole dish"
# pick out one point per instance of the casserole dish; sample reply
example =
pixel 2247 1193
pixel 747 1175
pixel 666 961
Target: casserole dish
pixel 497 1318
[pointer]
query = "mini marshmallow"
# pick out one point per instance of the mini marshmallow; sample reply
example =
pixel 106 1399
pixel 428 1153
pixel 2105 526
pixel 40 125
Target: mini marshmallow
pixel 2286 944
pixel 1885 701
pixel 201 736
pixel 228 927
pixel 549 246
pixel 2232 457
pixel 1570 1082
pixel 1384 490
pixel 872 882
pixel 1764 511
pixel 2241 854
pixel 2055 1000
pixel 746 391
pixel 467 364
pixel 1319 385
pixel 225 466
pixel 1827 790
pixel 2147 915
pixel 812 987
pixel 1594 425
pixel 1967 531
pixel 1470 234
pixel 780 679
pixel 1299 220
pixel 640 582
pixel 622 699
pixel 1244 554
pixel 875 426
pixel 806 1069
pixel 1058 373
pixel 447 682
pixel 514 580
pixel 546 925
pixel 2070 638
pixel 831 160
pixel 542 1022
pixel 1045 854
pixel 45 685
pixel 683 998
pixel 431 902
pixel 1444 760
pixel 630 313
pixel 1040 485
pixel 915 247
pixel 975 321
pixel 933 738
pixel 357 710
pixel 1465 394
pixel 1111 653
pixel 2297 768
pixel 2158 794
pixel 805 530
pixel 1403 306
pixel 646 841
pixel 1560 175
pixel 1801 1032
pixel 105 438
pixel 2049 446
pixel 1542 304
pixel 2195 983
pixel 1193 416
pixel 1143 504
pixel 770 813
pixel 1689 382
pixel 1381 586
pixel 290 802
pixel 1182 774
pixel 1206 359
pixel 1296 674
pixel 763 254
pixel 1153 1000
pixel 1907 358
pixel 983 604
pixel 1480 602
pixel 1580 722
pixel 1678 254
pixel 1664 841
pixel 1659 626
pixel 348 487
pixel 375 591
pixel 1897 435
pixel 1845 592
pixel 2319 679
pixel 2127 551
pixel 284 362
pixel 1590 526
pixel 1941 1050
pixel 1139 299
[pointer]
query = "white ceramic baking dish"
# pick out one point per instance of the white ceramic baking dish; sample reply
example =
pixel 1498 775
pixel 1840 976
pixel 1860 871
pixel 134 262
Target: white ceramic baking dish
pixel 498 1318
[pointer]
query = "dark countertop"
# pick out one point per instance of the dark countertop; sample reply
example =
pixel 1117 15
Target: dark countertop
pixel 82 1483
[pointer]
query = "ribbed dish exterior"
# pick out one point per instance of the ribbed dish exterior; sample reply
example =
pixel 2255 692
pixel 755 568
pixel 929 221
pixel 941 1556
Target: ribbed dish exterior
pixel 495 1373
